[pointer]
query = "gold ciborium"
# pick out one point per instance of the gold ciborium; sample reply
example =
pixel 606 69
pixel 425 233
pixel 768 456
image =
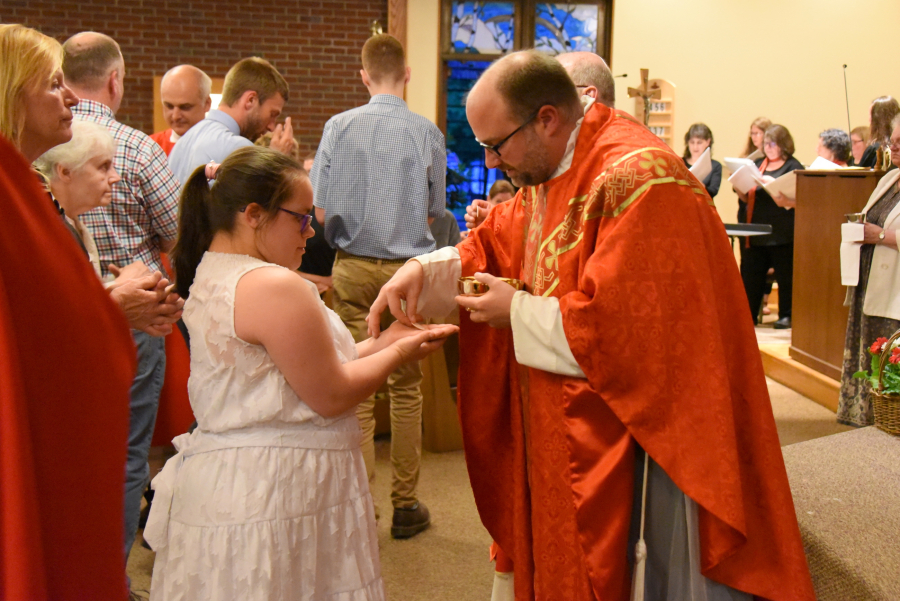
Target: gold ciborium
pixel 469 286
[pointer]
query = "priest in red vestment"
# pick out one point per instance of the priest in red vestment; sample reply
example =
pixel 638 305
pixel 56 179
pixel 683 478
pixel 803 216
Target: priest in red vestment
pixel 67 361
pixel 632 335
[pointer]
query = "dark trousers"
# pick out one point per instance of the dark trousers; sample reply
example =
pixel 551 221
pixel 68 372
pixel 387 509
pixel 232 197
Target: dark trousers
pixel 755 263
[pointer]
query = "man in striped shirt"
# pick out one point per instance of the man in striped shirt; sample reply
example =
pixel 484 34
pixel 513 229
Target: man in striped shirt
pixel 378 179
pixel 140 222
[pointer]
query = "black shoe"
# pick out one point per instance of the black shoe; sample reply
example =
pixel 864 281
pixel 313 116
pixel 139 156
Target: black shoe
pixel 410 521
pixel 783 324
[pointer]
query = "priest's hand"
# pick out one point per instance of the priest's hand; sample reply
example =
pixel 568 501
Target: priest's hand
pixel 476 213
pixel 493 307
pixel 406 285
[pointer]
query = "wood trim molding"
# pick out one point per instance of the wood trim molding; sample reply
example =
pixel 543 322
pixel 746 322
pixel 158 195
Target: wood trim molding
pixel 397 20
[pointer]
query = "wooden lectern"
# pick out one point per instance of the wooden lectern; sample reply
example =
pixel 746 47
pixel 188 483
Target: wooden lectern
pixel 819 318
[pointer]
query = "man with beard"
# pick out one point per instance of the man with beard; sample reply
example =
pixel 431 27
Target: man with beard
pixel 629 354
pixel 184 91
pixel 252 99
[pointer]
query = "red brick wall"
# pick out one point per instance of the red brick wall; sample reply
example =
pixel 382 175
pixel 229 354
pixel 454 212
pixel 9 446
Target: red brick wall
pixel 315 46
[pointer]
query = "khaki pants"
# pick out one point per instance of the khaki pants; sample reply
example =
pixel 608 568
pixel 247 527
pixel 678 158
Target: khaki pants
pixel 356 285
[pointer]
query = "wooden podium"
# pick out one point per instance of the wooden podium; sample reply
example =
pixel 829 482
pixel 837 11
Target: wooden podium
pixel 819 317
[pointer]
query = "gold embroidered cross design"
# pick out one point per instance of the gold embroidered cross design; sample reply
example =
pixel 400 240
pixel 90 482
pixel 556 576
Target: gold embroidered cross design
pixel 658 164
pixel 552 259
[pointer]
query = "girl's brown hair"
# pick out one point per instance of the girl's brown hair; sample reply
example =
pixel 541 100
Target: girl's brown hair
pixel 252 174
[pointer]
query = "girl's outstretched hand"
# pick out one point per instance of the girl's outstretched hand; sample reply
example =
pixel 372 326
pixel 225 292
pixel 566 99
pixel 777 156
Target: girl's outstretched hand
pixel 414 344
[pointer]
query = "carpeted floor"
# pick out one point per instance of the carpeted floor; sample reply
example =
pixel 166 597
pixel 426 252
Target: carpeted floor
pixel 449 562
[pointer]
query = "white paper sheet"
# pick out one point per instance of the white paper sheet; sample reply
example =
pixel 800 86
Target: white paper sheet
pixel 786 185
pixel 756 154
pixel 745 178
pixel 852 235
pixel 734 164
pixel 821 164
pixel 703 167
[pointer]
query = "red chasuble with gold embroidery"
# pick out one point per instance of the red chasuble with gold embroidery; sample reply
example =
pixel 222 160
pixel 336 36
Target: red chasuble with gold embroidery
pixel 655 314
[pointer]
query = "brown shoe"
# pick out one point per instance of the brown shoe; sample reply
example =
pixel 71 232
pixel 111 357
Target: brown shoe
pixel 408 522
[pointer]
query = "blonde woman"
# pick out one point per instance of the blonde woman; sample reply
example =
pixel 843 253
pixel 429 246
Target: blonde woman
pixel 35 104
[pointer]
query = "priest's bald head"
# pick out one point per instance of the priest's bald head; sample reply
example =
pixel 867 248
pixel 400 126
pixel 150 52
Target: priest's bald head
pixel 523 110
pixel 591 75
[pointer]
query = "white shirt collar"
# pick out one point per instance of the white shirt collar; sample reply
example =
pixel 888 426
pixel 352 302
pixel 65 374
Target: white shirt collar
pixel 566 161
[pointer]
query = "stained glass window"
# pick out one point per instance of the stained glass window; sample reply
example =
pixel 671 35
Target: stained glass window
pixel 482 27
pixel 566 27
pixel 467 176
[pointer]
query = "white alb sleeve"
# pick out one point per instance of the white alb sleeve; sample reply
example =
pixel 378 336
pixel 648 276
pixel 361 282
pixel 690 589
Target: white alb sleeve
pixel 538 335
pixel 442 270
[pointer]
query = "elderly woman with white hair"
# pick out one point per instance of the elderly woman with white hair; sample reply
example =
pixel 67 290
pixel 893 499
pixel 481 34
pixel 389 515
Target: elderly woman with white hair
pixel 81 175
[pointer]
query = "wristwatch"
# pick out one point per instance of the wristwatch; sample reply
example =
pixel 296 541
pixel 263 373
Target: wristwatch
pixel 881 235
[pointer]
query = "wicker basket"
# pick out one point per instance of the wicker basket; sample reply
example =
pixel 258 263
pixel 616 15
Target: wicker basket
pixel 886 406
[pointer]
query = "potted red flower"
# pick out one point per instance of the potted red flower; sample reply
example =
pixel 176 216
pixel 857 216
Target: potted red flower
pixel 885 382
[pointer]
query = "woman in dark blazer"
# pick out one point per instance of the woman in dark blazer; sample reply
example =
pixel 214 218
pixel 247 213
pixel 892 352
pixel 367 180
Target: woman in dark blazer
pixel 759 253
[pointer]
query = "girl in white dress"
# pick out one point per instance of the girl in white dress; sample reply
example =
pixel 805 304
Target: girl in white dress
pixel 268 498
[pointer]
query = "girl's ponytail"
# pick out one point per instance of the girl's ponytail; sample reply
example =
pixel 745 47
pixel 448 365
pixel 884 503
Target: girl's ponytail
pixel 194 230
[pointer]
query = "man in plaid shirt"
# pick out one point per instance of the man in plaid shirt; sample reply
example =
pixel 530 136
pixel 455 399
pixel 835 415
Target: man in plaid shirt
pixel 140 222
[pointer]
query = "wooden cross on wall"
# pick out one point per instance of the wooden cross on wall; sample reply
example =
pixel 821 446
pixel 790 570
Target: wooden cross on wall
pixel 646 92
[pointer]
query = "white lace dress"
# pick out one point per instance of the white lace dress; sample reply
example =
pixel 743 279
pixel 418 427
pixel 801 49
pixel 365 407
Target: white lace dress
pixel 266 500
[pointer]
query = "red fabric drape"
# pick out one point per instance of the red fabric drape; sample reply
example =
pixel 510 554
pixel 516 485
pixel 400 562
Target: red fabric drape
pixel 67 361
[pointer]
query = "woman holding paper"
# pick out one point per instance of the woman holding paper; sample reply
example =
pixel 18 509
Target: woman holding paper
pixel 759 253
pixel 875 301
pixel 697 139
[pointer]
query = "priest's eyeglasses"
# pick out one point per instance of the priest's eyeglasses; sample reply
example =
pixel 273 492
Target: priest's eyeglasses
pixel 496 147
pixel 302 219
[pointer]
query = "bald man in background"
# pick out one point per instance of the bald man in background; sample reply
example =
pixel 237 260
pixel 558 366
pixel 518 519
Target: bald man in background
pixel 591 75
pixel 184 91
